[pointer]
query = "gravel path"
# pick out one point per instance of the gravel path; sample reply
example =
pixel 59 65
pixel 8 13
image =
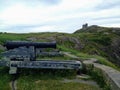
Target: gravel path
pixel 89 82
pixel 13 83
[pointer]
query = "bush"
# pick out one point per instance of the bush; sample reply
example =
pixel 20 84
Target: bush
pixel 101 39
pixel 47 73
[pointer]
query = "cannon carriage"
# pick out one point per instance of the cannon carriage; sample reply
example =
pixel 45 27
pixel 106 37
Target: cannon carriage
pixel 22 54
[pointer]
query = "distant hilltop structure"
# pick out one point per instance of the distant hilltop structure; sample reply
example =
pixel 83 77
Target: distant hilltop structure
pixel 84 26
pixel 96 28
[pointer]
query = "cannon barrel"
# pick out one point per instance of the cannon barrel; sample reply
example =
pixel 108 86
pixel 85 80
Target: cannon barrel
pixel 16 44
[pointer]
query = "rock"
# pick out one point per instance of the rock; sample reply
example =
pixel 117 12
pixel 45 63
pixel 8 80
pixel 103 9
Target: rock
pixel 32 39
pixel 115 48
pixel 73 42
pixel 2 47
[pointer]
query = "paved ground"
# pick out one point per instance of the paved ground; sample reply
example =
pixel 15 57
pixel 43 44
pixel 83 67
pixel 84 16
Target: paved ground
pixel 112 74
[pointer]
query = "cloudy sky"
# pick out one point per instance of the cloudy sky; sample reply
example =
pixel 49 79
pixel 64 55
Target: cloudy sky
pixel 22 16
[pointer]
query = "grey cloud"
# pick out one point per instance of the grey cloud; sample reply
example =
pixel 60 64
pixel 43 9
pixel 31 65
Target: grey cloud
pixel 19 28
pixel 106 21
pixel 40 2
pixel 110 17
pixel 51 2
pixel 4 4
pixel 67 25
pixel 108 4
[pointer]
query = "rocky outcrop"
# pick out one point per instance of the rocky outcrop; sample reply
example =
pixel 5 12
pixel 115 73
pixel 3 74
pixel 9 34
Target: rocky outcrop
pixel 71 42
pixel 107 41
pixel 2 48
pixel 32 39
pixel 115 50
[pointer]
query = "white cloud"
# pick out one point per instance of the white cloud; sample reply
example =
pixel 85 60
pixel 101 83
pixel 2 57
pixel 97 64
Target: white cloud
pixel 66 16
pixel 43 29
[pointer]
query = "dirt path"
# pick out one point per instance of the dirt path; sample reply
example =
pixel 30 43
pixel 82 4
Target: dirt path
pixel 70 55
pixel 112 75
pixel 89 82
pixel 13 83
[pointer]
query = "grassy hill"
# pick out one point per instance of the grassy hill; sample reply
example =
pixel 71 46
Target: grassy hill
pixel 93 42
pixel 102 41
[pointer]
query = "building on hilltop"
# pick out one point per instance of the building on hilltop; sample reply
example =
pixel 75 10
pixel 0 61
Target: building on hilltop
pixel 84 26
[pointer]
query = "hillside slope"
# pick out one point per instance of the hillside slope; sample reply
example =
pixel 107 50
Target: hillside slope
pixel 92 40
pixel 104 41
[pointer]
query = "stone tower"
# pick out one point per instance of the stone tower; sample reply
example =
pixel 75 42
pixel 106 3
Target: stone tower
pixel 84 26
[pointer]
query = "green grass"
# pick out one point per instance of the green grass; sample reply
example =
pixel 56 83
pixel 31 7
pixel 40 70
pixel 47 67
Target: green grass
pixel 66 49
pixel 48 81
pixel 31 79
pixel 64 57
pixel 100 59
pixel 97 75
pixel 36 79
pixel 4 79
pixel 31 83
pixel 84 56
pixel 6 37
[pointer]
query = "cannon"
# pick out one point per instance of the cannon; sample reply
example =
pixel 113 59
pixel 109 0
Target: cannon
pixel 25 49
pixel 22 54
pixel 16 44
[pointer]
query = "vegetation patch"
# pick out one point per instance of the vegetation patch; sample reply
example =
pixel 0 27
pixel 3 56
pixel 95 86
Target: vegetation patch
pixel 25 83
pixel 63 57
pixel 98 76
pixel 49 80
pixel 84 56
pixel 4 79
pixel 101 39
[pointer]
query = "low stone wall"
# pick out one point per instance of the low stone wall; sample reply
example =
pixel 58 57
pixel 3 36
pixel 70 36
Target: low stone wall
pixel 112 76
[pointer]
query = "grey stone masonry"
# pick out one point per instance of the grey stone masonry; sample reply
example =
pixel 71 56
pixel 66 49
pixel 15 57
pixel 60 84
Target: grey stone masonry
pixel 112 75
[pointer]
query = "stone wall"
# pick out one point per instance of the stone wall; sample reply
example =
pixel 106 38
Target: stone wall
pixel 112 76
